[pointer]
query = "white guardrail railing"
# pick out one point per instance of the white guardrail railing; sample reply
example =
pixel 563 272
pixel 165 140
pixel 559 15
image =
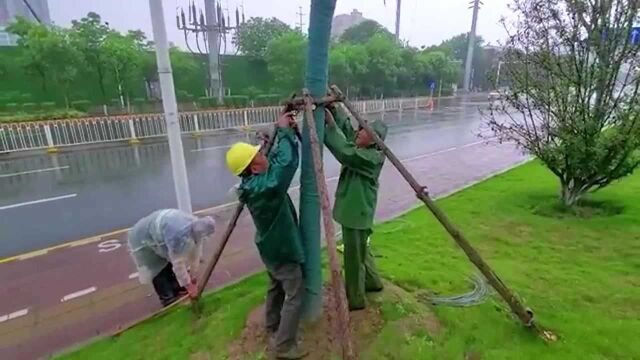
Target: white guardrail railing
pixel 68 132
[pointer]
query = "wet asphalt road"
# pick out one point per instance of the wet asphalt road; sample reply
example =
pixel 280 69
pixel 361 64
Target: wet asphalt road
pixel 46 200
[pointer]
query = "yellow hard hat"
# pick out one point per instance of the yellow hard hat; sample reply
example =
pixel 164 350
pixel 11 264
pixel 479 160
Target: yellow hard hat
pixel 240 156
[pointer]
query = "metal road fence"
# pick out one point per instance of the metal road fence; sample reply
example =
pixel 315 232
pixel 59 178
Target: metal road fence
pixel 61 133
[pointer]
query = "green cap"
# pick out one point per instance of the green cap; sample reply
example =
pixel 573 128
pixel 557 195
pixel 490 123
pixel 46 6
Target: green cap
pixel 380 128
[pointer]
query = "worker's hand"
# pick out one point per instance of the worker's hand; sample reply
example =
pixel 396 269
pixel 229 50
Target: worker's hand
pixel 192 289
pixel 286 119
pixel 329 120
pixel 263 138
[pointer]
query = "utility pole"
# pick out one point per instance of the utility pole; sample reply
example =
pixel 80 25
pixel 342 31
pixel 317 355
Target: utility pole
pixel 398 10
pixel 213 40
pixel 300 15
pixel 475 4
pixel 180 180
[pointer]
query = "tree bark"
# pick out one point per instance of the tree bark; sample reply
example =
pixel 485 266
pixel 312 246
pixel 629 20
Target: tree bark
pixel 570 194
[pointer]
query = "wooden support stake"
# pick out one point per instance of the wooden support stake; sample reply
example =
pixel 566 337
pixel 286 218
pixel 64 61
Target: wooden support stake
pixel 525 315
pixel 211 265
pixel 339 297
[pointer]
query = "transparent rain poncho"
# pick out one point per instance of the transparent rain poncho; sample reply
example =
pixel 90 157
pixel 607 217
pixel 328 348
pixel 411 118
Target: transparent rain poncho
pixel 169 236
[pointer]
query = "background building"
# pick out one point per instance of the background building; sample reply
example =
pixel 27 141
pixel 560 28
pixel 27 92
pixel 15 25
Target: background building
pixel 342 22
pixel 10 9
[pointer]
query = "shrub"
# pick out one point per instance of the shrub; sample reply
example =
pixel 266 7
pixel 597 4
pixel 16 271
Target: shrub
pixel 267 100
pixel 53 115
pixel 29 107
pixel 81 105
pixel 236 101
pixel 48 106
pixel 207 102
pixel 183 95
pixel 12 107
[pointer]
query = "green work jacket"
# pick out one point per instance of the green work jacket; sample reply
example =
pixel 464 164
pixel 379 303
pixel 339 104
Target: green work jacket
pixel 265 195
pixel 357 192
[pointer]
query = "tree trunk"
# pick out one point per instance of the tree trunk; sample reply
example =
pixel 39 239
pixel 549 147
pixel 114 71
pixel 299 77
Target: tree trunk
pixel 317 66
pixel 101 83
pixel 570 193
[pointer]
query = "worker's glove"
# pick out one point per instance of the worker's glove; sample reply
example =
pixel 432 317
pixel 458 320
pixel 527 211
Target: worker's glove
pixel 286 119
pixel 263 138
pixel 192 289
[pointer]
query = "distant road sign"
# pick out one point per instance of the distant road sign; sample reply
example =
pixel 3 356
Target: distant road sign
pixel 635 35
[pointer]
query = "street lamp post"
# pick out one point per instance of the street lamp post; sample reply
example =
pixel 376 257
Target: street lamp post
pixel 180 180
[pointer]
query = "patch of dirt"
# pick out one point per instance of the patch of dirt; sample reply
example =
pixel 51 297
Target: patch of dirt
pixel 365 325
pixel 412 324
pixel 424 319
pixel 585 208
pixel 316 338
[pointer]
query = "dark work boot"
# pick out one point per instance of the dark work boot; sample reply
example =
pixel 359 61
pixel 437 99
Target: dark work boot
pixel 164 287
pixel 293 353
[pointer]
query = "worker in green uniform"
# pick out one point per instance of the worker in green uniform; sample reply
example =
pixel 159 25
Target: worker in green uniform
pixel 263 189
pixel 356 198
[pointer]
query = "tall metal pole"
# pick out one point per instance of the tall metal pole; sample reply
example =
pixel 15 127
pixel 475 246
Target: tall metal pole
pixel 213 39
pixel 472 43
pixel 170 106
pixel 398 10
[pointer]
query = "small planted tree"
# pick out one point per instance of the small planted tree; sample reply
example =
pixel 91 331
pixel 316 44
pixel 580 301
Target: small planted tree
pixel 572 66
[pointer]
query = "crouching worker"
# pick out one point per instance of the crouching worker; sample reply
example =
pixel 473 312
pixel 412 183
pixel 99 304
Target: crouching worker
pixel 166 246
pixel 356 198
pixel 263 188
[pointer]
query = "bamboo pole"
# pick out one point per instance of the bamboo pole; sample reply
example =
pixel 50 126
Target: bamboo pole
pixel 524 314
pixel 337 290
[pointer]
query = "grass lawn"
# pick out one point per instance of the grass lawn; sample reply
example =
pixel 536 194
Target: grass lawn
pixel 581 276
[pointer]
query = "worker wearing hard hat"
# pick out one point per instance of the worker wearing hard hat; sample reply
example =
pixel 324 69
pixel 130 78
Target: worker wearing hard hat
pixel 356 198
pixel 264 185
pixel 166 247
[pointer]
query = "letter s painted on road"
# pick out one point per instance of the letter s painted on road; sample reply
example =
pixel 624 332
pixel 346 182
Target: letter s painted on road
pixel 109 245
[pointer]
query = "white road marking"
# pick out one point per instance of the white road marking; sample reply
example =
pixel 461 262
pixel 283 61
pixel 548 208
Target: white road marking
pixel 474 143
pixel 212 148
pixel 33 254
pixel 133 275
pixel 33 171
pixel 6 207
pixel 14 315
pixel 78 294
pixel 430 154
pixel 109 245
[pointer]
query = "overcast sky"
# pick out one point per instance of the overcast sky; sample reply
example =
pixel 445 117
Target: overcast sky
pixel 424 22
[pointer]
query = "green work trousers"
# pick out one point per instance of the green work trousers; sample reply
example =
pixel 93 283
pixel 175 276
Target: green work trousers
pixel 360 271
